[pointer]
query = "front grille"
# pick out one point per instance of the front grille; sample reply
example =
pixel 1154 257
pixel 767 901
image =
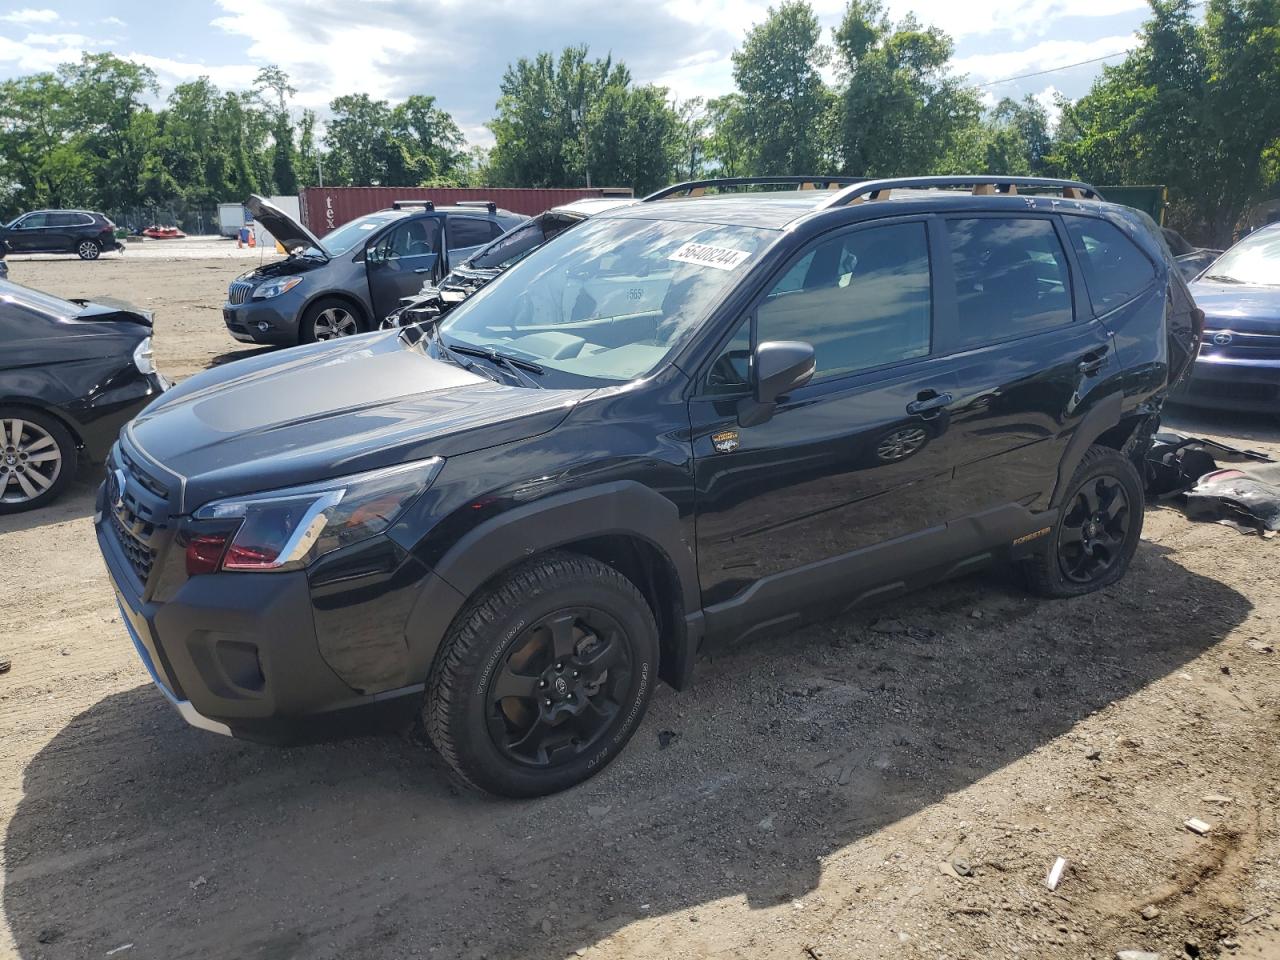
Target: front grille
pixel 138 508
pixel 239 291
pixel 140 556
pixel 1248 346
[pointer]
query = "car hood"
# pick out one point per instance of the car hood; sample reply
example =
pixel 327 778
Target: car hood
pixel 289 232
pixel 1242 307
pixel 326 410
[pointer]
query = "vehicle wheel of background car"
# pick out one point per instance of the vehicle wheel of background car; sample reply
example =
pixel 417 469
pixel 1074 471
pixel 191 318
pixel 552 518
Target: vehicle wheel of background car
pixel 328 319
pixel 1097 531
pixel 37 459
pixel 89 249
pixel 543 678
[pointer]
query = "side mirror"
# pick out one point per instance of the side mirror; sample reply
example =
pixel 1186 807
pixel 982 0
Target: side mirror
pixel 374 254
pixel 778 367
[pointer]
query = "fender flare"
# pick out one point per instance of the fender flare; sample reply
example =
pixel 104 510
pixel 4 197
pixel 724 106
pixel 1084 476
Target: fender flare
pixel 622 507
pixel 1102 416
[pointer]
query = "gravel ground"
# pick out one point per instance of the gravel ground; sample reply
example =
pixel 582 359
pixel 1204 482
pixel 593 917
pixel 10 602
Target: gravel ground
pixel 893 783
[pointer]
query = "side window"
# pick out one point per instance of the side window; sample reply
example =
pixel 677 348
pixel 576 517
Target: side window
pixel 467 232
pixel 63 219
pixel 1011 278
pixel 416 238
pixel 495 230
pixel 861 299
pixel 731 372
pixel 34 220
pixel 1115 270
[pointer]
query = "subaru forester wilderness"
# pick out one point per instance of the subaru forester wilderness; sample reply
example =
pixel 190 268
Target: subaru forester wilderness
pixel 686 417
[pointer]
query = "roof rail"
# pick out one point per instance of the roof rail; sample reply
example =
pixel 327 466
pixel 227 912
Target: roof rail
pixel 981 185
pixel 695 188
pixel 404 204
pixel 487 204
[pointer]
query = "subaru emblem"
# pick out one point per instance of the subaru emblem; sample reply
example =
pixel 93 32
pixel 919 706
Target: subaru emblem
pixel 118 476
pixel 1222 339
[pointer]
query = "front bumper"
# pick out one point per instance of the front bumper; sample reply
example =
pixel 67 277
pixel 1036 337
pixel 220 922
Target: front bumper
pixel 238 654
pixel 1229 383
pixel 273 321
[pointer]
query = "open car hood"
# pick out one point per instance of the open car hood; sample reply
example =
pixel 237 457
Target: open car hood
pixel 292 235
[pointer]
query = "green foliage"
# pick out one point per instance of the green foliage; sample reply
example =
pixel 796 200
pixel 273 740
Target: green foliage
pixel 1196 106
pixel 784 100
pixel 569 120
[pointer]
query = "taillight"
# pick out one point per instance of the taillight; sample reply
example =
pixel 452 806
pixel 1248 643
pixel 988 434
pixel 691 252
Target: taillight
pixel 204 552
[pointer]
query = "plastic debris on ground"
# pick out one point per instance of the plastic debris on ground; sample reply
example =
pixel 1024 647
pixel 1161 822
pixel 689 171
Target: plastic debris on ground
pixel 1187 468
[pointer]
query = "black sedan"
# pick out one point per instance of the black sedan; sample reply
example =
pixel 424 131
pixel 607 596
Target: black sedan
pixel 71 374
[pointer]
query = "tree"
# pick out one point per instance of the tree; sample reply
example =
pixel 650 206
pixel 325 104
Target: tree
pixel 726 142
pixel 693 132
pixel 572 120
pixel 1195 106
pixel 899 110
pixel 784 100
pixel 274 81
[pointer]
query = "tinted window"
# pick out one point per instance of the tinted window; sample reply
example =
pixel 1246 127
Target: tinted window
pixel 731 372
pixel 34 220
pixel 417 238
pixel 468 232
pixel 1115 271
pixel 1011 278
pixel 68 220
pixel 861 300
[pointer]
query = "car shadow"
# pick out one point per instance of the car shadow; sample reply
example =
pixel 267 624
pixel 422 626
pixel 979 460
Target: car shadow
pixel 241 353
pixel 76 501
pixel 134 829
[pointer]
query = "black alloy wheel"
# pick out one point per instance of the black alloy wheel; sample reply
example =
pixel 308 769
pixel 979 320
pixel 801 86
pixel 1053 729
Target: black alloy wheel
pixel 561 685
pixel 1095 529
pixel 543 677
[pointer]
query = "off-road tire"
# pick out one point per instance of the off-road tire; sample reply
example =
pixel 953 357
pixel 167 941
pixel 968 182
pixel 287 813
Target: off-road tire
pixel 1045 573
pixel 495 622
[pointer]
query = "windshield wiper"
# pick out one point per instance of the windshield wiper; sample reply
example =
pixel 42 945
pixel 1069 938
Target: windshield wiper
pixel 516 365
pixel 452 353
pixel 1221 278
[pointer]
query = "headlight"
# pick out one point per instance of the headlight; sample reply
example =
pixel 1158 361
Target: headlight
pixel 273 288
pixel 288 529
pixel 143 358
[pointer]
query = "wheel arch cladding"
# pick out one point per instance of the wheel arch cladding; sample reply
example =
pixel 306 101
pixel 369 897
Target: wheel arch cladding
pixel 623 523
pixel 361 311
pixel 1105 414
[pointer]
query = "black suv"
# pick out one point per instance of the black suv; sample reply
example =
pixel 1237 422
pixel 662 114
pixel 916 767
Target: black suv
pixel 60 231
pixel 685 417
pixel 346 282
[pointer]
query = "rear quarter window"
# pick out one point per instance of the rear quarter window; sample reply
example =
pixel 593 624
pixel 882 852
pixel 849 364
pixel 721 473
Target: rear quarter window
pixel 1115 270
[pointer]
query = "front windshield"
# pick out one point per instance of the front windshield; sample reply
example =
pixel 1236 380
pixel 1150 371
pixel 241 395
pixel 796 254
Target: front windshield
pixel 609 299
pixel 349 235
pixel 1255 259
pixel 511 246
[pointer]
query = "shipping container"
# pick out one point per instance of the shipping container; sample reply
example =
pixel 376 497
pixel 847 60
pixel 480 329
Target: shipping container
pixel 325 208
pixel 1149 198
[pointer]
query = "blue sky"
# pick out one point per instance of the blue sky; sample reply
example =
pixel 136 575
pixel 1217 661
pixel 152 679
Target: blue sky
pixel 457 49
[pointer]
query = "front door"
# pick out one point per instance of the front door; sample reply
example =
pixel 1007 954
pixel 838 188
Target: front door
pixel 400 261
pixel 29 234
pixel 861 455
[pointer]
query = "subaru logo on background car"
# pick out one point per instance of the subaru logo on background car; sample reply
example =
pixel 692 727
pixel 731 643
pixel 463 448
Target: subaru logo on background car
pixel 1222 339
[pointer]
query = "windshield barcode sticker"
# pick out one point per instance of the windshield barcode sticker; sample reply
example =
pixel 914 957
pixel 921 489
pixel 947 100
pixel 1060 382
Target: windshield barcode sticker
pixel 705 255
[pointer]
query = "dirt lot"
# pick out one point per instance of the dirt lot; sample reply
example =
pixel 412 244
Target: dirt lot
pixel 895 783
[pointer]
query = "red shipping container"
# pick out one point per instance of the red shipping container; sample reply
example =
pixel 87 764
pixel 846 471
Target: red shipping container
pixel 325 208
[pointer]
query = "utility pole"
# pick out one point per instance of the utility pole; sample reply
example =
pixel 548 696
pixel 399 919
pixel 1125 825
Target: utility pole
pixel 320 169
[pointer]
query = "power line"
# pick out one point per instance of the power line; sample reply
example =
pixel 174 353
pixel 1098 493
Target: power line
pixel 1041 73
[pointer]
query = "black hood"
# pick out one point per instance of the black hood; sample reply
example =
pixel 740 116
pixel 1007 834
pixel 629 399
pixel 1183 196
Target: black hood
pixel 327 410
pixel 291 235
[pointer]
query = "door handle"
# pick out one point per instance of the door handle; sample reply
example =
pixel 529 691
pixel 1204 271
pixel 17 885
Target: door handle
pixel 925 403
pixel 422 270
pixel 1091 363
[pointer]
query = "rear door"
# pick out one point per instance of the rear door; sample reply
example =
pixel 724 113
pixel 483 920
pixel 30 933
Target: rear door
pixel 466 235
pixel 400 261
pixel 1030 359
pixel 861 455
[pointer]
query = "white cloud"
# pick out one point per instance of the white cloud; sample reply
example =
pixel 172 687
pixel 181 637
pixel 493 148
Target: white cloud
pixel 35 58
pixel 172 72
pixel 29 15
pixel 58 40
pixel 113 22
pixel 1046 55
pixel 1048 98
